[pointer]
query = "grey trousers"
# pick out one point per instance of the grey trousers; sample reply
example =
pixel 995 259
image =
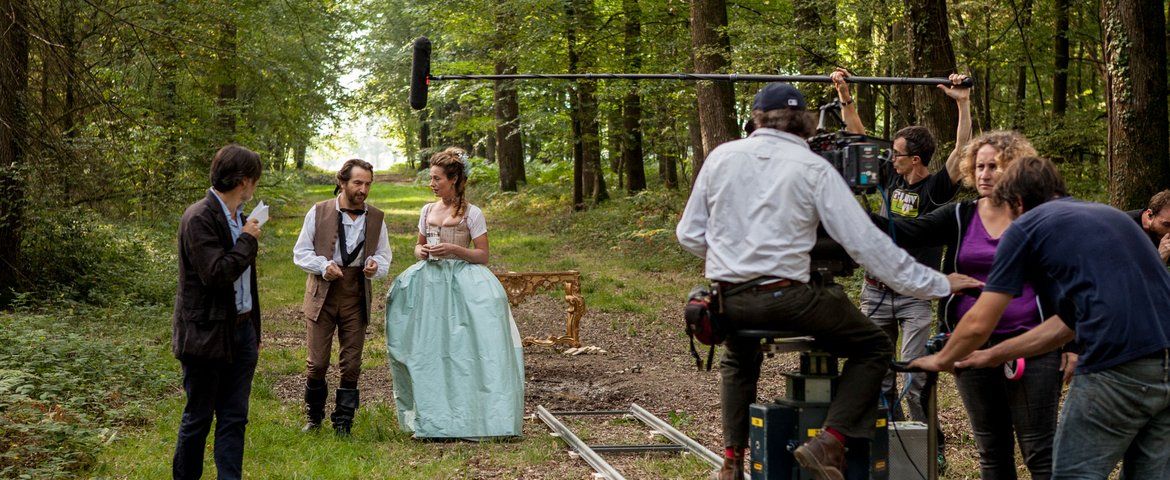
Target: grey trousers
pixel 892 311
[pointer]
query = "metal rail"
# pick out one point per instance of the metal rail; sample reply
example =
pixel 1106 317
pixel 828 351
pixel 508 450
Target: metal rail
pixel 592 458
pixel 676 436
pixel 681 442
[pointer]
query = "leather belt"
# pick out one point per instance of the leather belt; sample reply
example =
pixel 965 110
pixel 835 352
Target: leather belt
pixel 873 282
pixel 767 287
pixel 243 317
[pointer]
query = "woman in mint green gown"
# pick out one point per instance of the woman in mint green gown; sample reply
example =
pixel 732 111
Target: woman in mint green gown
pixel 455 353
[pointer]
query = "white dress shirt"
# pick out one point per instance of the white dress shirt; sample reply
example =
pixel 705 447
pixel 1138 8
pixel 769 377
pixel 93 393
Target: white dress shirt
pixel 754 212
pixel 305 256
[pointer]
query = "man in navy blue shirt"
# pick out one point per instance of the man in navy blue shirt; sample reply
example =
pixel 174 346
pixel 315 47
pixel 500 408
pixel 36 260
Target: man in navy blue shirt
pixel 1112 294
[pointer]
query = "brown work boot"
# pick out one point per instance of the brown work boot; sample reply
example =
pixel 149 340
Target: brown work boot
pixel 732 469
pixel 823 457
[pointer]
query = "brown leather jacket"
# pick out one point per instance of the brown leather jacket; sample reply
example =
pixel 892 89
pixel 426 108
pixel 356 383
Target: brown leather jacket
pixel 204 321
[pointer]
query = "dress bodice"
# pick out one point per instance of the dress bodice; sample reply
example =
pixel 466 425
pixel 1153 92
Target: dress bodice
pixel 458 234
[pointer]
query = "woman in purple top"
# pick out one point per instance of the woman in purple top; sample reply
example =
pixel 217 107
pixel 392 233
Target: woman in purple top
pixel 1002 411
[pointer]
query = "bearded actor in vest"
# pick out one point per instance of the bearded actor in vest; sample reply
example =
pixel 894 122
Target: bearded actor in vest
pixel 342 246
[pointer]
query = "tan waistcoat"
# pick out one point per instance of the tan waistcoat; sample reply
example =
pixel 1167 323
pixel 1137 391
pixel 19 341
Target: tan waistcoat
pixel 325 242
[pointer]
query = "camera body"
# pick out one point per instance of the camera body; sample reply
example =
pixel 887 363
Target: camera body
pixel 857 158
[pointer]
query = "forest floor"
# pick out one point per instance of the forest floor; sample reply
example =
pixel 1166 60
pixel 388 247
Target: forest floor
pixel 633 286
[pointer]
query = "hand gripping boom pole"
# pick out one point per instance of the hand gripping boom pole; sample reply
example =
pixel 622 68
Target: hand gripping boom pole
pixel 420 77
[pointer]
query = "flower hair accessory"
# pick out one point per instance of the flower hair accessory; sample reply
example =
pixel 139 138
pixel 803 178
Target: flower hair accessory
pixel 466 161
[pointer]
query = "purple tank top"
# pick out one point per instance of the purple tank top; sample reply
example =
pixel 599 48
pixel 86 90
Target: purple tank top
pixel 976 255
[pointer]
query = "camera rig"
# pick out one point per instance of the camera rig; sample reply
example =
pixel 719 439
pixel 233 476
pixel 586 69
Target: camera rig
pixel 860 160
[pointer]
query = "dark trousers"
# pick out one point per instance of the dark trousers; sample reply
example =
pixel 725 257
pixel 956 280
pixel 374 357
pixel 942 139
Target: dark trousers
pixel 343 311
pixel 217 390
pixel 840 329
pixel 1003 411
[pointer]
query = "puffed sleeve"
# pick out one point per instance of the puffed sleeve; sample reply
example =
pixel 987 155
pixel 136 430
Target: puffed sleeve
pixel 476 222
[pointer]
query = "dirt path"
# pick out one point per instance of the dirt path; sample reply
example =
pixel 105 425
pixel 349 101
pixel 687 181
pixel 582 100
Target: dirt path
pixel 651 367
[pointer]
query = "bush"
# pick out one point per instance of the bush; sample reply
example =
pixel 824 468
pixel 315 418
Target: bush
pixel 83 257
pixel 68 381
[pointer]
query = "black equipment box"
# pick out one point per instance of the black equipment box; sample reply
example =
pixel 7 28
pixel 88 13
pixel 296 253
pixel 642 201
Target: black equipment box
pixel 778 428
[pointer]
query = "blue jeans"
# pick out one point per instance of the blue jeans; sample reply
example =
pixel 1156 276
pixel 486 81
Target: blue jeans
pixel 1122 413
pixel 218 390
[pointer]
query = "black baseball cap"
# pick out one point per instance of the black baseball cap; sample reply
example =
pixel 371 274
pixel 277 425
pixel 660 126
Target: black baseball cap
pixel 778 95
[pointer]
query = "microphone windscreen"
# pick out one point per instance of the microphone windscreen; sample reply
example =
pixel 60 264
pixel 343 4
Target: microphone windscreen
pixel 420 70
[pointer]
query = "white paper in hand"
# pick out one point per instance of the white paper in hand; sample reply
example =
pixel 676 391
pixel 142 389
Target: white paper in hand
pixel 260 213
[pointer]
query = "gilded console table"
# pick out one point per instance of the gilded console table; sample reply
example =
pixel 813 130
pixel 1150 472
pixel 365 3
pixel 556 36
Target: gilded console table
pixel 519 285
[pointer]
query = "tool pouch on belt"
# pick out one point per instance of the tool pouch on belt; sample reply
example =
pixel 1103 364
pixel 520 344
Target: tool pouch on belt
pixel 705 321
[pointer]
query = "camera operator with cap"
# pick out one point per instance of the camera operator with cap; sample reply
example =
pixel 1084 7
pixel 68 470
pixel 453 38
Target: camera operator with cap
pixel 753 216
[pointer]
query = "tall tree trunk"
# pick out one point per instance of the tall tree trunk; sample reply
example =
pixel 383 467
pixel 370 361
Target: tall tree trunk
pixel 987 72
pixel 615 138
pixel 695 131
pixel 575 107
pixel 279 156
pixel 226 100
pixel 866 94
pixel 424 130
pixel 299 156
pixel 509 145
pixel 1135 65
pixel 932 55
pixel 711 53
pixel 168 69
pixel 13 139
pixel 901 96
pixel 817 42
pixel 592 176
pixel 67 13
pixel 632 104
pixel 1060 75
pixel 668 167
pixel 1024 17
pixel 971 44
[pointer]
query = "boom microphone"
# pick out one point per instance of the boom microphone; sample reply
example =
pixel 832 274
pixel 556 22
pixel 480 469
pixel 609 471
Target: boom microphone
pixel 420 72
pixel 420 77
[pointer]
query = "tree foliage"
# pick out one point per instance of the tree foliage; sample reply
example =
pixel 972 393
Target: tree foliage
pixel 124 101
pixel 1038 66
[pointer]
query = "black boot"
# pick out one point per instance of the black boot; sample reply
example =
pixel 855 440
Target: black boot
pixel 347 405
pixel 315 393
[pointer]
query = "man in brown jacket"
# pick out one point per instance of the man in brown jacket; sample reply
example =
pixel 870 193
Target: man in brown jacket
pixel 216 324
pixel 343 244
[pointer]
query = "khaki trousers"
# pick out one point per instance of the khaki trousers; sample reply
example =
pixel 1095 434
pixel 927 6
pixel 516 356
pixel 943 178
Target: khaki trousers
pixel 344 312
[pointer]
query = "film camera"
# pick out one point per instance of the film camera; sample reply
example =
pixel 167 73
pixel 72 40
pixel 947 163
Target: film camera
pixel 858 158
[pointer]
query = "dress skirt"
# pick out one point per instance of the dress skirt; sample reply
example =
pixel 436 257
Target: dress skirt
pixel 455 353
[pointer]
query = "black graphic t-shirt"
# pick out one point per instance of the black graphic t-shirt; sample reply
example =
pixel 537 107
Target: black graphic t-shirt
pixel 915 200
